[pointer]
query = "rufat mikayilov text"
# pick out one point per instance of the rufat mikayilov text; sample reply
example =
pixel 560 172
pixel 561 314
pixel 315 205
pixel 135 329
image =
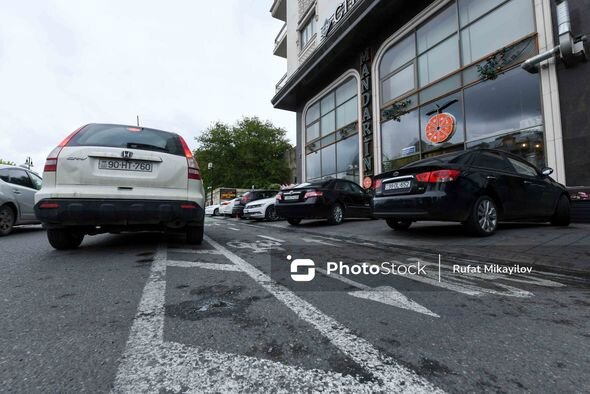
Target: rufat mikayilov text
pixel 491 269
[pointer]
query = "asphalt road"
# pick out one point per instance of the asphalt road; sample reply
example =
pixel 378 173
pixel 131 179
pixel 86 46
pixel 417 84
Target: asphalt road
pixel 146 313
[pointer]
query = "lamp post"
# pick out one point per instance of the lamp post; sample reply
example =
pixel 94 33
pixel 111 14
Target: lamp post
pixel 29 163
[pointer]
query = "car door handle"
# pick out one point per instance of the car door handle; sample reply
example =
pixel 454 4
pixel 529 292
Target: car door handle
pixel 527 182
pixel 16 192
pixel 491 178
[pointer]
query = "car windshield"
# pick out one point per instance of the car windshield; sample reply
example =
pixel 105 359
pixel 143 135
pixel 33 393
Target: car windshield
pixel 128 137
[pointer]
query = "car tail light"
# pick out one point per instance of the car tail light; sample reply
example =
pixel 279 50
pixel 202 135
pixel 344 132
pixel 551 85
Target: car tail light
pixel 49 205
pixel 188 206
pixel 440 176
pixel 51 162
pixel 245 200
pixel 313 194
pixel 193 167
pixel 279 197
pixel 377 184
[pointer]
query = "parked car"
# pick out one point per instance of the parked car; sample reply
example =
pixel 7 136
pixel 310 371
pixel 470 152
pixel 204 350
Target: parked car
pixel 227 208
pixel 334 200
pixel 262 209
pixel 477 188
pixel 17 197
pixel 252 195
pixel 212 209
pixel 114 178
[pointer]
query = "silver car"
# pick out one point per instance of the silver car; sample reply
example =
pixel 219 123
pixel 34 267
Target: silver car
pixel 17 197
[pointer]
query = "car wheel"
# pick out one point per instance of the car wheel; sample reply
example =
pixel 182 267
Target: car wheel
pixel 336 214
pixel 271 214
pixel 294 222
pixel 194 235
pixel 7 220
pixel 483 219
pixel 64 239
pixel 561 216
pixel 399 224
pixel 216 212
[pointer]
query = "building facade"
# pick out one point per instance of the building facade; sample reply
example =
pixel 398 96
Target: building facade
pixel 377 84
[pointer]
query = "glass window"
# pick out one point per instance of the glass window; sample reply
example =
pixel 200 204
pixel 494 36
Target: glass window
pixel 397 56
pixel 347 113
pixel 313 131
pixel 328 123
pixel 346 91
pixel 522 168
pixel 398 84
pixel 400 141
pixel 314 169
pixel 493 161
pixel 505 25
pixel 440 88
pixel 327 103
pixel 329 160
pixel 4 175
pixel 470 10
pixel 439 61
pixel 37 181
pixel 438 127
pixel 511 102
pixel 20 178
pixel 437 29
pixel 307 32
pixel 313 113
pixel 348 155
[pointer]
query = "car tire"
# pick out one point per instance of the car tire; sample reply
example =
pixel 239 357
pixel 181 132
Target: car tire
pixel 64 239
pixel 270 214
pixel 194 235
pixel 294 222
pixel 336 214
pixel 483 219
pixel 7 220
pixel 561 216
pixel 216 212
pixel 399 224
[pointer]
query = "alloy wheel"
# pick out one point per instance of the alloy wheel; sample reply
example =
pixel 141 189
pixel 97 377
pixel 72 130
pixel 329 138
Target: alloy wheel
pixel 337 214
pixel 487 216
pixel 6 220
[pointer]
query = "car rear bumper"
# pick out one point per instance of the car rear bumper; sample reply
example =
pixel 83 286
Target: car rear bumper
pixel 302 210
pixel 105 212
pixel 435 205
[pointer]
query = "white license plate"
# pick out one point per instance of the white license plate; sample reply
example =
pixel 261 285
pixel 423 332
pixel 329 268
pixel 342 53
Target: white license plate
pixel 125 165
pixel 398 185
pixel 291 198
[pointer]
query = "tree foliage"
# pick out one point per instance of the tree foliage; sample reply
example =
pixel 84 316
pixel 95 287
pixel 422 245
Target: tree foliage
pixel 248 153
pixel 7 162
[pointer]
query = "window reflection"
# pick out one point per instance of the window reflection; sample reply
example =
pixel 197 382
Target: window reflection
pixel 400 142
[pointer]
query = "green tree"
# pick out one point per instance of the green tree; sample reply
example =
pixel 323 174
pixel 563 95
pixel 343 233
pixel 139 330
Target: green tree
pixel 7 162
pixel 248 153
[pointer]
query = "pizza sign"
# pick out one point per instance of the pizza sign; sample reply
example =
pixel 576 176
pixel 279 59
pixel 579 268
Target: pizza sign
pixel 440 128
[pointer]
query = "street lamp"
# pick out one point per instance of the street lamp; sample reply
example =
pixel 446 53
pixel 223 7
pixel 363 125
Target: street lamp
pixel 29 163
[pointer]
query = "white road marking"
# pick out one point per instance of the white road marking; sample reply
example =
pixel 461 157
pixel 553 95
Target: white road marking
pixel 394 376
pixel 233 228
pixel 151 365
pixel 198 264
pixel 196 251
pixel 272 239
pixel 383 294
pixel 317 241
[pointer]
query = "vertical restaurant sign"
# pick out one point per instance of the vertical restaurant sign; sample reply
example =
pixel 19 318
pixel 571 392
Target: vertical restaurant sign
pixel 367 110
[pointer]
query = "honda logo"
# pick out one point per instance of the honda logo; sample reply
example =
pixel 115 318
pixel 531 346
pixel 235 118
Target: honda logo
pixel 126 154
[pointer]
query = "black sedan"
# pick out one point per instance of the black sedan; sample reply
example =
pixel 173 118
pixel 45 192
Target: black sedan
pixel 333 200
pixel 478 188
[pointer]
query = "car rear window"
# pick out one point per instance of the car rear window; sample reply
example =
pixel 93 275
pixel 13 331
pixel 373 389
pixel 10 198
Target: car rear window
pixel 117 136
pixel 452 158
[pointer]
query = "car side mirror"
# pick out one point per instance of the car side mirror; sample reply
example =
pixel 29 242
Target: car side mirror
pixel 547 171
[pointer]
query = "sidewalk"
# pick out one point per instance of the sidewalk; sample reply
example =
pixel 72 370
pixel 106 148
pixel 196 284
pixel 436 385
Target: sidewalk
pixel 558 249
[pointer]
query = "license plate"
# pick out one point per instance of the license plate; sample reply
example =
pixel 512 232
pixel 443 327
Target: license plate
pixel 398 185
pixel 291 198
pixel 125 165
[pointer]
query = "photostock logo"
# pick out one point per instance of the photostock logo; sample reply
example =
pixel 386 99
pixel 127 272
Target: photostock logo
pixel 302 263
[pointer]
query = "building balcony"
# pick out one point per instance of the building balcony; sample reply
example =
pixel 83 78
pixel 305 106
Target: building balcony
pixel 281 43
pixel 281 82
pixel 279 10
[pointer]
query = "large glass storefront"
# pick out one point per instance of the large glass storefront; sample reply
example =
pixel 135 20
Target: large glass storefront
pixel 332 135
pixel 455 83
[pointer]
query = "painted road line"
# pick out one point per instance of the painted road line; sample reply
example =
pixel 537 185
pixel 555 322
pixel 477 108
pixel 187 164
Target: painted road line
pixel 393 376
pixel 383 294
pixel 317 241
pixel 198 264
pixel 196 251
pixel 233 228
pixel 272 239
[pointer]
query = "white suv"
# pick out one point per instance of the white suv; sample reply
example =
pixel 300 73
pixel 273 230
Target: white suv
pixel 113 178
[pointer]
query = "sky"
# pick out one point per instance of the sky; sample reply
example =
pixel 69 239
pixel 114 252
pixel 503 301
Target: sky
pixel 181 65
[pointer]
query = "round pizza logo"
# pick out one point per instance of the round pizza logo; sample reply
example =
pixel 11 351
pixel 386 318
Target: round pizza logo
pixel 440 128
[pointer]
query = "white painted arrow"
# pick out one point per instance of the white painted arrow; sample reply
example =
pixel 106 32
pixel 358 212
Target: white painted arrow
pixel 383 294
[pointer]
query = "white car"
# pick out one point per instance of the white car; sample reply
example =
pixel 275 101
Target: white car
pixel 114 178
pixel 261 209
pixel 212 210
pixel 17 197
pixel 228 206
